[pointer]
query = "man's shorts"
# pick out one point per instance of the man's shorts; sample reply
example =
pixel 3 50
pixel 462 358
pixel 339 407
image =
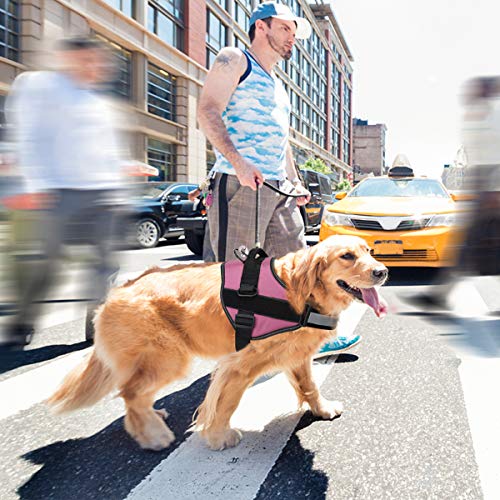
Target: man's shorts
pixel 232 219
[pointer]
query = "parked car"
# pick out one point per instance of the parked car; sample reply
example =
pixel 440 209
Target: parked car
pixel 319 185
pixel 155 210
pixel 406 220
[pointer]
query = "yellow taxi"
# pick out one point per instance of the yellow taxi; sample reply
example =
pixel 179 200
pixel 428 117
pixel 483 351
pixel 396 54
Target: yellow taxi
pixel 406 220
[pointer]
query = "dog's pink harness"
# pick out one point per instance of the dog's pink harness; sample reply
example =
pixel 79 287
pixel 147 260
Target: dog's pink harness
pixel 255 301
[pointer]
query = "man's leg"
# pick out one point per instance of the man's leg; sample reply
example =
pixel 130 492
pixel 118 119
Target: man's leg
pixel 106 268
pixel 285 230
pixel 285 233
pixel 232 216
pixel 42 264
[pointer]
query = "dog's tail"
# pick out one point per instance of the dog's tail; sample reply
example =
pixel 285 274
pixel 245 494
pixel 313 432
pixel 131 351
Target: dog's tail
pixel 89 382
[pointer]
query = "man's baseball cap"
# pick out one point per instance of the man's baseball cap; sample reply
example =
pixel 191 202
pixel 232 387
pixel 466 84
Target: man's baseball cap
pixel 281 11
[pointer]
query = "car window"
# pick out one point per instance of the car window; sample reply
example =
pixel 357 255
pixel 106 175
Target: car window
pixel 406 188
pixel 182 191
pixel 325 186
pixel 150 190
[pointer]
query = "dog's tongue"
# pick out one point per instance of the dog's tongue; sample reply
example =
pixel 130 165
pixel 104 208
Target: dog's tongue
pixel 373 299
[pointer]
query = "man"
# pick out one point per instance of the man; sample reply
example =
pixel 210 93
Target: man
pixel 244 111
pixel 68 156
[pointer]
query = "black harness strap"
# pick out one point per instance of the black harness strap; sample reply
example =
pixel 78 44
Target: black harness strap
pixel 251 272
pixel 259 304
pixel 245 318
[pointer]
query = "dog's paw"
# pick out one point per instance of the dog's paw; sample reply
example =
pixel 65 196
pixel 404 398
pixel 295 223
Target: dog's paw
pixel 328 409
pixel 157 441
pixel 221 440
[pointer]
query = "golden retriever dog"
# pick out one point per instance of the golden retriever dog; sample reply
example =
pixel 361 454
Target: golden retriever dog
pixel 149 329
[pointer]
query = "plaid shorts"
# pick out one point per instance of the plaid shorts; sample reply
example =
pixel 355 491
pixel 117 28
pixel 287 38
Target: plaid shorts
pixel 231 219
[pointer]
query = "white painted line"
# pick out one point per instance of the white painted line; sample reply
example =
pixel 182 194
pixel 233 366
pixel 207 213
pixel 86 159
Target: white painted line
pixel 467 301
pixel 23 391
pixel 267 414
pixel 479 378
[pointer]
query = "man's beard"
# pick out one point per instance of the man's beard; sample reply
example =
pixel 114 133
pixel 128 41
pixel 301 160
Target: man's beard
pixel 284 53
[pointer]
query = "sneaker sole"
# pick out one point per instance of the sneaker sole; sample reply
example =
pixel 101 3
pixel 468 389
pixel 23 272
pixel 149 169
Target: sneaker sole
pixel 337 351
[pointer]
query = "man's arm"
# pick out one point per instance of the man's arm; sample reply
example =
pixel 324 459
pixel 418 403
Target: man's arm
pixel 219 86
pixel 294 178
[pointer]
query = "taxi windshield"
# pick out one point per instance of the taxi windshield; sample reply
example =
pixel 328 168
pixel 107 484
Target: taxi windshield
pixel 406 188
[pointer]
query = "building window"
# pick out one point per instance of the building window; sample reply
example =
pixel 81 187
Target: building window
pixel 9 29
pixel 166 19
pixel 242 10
pixel 222 3
pixel 216 37
pixel 239 43
pixel 161 92
pixel 162 156
pixel 126 6
pixel 121 82
pixel 345 152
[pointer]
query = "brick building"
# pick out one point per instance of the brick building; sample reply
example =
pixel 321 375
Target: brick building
pixel 368 148
pixel 163 49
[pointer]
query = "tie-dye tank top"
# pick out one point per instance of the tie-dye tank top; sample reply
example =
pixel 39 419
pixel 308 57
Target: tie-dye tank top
pixel 257 119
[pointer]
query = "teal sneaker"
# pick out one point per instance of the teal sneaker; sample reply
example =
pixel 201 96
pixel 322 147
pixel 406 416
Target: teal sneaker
pixel 338 345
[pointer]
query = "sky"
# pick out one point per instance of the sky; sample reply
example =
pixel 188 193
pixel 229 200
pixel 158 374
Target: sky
pixel 411 59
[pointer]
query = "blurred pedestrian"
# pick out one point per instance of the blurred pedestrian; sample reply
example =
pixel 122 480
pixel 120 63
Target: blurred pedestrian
pixel 68 154
pixel 479 251
pixel 244 111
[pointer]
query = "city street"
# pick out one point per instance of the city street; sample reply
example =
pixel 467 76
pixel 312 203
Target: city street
pixel 420 421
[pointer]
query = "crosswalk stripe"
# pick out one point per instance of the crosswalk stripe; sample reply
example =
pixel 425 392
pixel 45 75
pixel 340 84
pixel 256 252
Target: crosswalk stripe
pixel 267 415
pixel 25 390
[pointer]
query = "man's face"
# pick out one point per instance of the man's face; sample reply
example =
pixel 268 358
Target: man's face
pixel 281 37
pixel 90 66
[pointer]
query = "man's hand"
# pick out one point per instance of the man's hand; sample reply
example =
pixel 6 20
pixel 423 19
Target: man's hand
pixel 192 195
pixel 249 175
pixel 303 200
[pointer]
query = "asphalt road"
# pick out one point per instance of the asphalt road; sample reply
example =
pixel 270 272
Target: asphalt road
pixel 420 418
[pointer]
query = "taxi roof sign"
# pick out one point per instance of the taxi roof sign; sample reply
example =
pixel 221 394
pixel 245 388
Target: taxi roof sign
pixel 401 171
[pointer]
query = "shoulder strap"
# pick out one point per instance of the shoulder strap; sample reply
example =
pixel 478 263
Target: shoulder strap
pixel 244 76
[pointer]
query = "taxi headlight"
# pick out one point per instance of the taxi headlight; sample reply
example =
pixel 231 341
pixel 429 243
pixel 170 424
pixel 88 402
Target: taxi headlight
pixel 336 219
pixel 443 220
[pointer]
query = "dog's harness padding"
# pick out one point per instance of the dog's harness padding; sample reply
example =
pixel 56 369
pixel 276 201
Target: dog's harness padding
pixel 255 301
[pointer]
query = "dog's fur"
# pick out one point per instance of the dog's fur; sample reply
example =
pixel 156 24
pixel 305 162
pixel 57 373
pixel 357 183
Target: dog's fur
pixel 149 329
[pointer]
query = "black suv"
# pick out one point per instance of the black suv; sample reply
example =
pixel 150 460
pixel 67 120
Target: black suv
pixel 319 185
pixel 156 208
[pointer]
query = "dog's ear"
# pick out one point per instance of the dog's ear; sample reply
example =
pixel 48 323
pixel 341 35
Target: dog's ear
pixel 304 276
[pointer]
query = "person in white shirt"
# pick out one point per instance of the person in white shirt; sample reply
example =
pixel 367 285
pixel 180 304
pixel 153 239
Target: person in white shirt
pixel 68 154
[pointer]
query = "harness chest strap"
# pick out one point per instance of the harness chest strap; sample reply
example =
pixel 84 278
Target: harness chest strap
pixel 254 300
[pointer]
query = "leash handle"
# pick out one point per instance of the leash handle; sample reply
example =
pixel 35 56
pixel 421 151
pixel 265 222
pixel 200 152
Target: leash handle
pixel 257 221
pixel 282 193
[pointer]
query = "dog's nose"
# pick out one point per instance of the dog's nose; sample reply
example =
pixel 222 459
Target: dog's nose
pixel 380 273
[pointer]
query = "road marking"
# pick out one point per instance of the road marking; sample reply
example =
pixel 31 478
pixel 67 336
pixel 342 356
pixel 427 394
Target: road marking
pixel 479 377
pixel 478 348
pixel 267 414
pixel 467 301
pixel 23 391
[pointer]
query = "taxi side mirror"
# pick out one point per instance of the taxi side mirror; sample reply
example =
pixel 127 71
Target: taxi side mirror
pixel 340 196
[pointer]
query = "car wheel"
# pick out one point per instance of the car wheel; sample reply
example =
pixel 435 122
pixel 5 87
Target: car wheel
pixel 194 242
pixel 148 233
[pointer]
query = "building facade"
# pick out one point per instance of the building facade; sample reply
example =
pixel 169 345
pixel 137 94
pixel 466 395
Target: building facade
pixel 368 148
pixel 163 49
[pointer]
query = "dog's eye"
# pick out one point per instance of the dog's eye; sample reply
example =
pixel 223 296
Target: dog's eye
pixel 348 256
